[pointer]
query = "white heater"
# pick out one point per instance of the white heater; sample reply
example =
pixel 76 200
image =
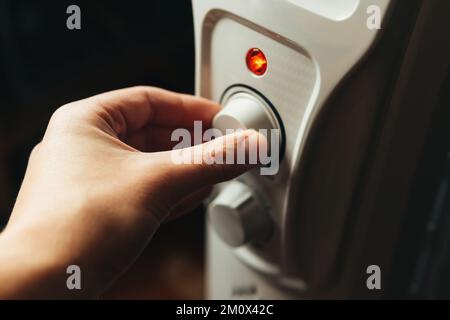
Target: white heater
pixel 273 64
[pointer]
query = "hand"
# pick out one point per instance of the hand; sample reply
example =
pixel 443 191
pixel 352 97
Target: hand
pixel 100 184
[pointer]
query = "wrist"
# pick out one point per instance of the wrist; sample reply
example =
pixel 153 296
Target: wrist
pixel 27 270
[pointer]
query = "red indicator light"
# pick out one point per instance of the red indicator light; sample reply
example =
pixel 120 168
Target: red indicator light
pixel 256 61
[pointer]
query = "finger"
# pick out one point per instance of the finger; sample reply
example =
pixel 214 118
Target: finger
pixel 134 108
pixel 199 171
pixel 153 139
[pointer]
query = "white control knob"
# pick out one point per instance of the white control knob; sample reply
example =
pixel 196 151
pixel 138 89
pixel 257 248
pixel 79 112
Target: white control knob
pixel 238 216
pixel 243 110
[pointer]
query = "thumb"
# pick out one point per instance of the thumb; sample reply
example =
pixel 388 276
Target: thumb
pixel 215 161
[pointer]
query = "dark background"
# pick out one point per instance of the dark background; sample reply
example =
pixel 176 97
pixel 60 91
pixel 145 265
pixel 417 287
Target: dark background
pixel 43 65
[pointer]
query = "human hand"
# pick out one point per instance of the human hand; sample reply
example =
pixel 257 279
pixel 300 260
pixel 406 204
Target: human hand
pixel 99 185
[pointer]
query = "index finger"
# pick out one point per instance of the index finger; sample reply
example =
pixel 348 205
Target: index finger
pixel 143 106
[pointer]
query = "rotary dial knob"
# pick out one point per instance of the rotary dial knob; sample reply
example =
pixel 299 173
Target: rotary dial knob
pixel 238 216
pixel 244 110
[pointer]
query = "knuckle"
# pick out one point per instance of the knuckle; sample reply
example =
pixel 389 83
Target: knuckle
pixel 61 114
pixel 35 151
pixel 65 116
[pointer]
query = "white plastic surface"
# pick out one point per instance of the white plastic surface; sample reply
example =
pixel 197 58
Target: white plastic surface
pixel 331 9
pixel 244 111
pixel 311 45
pixel 237 216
